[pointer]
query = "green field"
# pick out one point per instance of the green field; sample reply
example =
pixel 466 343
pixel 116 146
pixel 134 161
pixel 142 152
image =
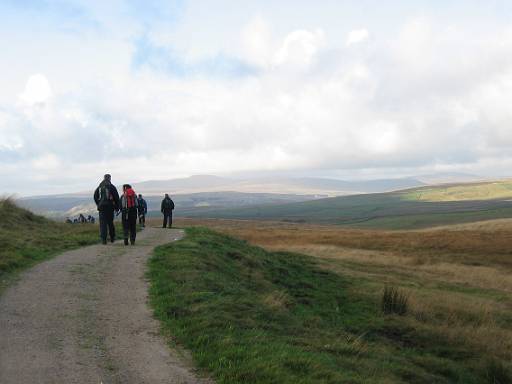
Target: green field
pixel 255 316
pixel 26 239
pixel 394 210
pixel 496 190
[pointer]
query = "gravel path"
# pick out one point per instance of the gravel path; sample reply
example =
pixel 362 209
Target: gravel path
pixel 83 317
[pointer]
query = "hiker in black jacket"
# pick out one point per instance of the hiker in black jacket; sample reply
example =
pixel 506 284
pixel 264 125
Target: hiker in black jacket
pixel 143 210
pixel 166 208
pixel 107 201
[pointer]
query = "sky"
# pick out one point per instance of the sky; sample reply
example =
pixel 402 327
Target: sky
pixel 164 89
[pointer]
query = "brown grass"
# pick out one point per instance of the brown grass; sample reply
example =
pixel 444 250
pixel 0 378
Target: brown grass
pixel 458 279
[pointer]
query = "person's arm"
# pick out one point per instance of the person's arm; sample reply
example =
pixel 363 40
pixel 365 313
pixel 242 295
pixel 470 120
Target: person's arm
pixel 145 206
pixel 117 202
pixel 96 195
pixel 172 204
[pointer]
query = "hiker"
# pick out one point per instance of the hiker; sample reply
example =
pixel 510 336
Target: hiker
pixel 143 210
pixel 107 201
pixel 129 213
pixel 166 208
pixel 81 218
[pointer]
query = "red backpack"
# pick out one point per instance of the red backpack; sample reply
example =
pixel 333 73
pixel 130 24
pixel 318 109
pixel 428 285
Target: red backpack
pixel 130 198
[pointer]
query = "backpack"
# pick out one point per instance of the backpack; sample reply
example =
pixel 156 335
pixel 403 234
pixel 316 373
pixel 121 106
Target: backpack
pixel 105 197
pixel 130 201
pixel 168 204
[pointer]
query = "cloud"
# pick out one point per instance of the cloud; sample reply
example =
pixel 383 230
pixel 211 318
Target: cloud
pixel 37 90
pixel 423 96
pixel 299 48
pixel 357 36
pixel 164 59
pixel 257 43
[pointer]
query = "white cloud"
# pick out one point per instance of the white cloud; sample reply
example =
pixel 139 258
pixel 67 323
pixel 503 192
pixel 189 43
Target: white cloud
pixel 256 40
pixel 37 90
pixel 299 48
pixel 46 162
pixel 357 36
pixel 428 95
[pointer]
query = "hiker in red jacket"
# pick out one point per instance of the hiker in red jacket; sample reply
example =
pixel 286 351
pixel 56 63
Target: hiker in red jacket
pixel 129 213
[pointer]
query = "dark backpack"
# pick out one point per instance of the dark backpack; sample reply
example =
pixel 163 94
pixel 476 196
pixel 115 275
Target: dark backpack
pixel 105 196
pixel 168 204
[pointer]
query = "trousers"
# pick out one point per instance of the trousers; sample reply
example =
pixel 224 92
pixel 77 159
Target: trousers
pixel 107 224
pixel 130 224
pixel 167 217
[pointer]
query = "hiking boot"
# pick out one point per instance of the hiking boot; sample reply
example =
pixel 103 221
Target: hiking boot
pixel 112 240
pixel 104 242
pixel 132 242
pixel 125 241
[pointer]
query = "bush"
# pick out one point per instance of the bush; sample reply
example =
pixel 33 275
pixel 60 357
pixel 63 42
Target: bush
pixel 394 301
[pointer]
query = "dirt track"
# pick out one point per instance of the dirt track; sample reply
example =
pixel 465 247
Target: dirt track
pixel 83 317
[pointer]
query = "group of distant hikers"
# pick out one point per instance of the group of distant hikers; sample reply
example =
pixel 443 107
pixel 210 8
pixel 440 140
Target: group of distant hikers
pixel 81 219
pixel 130 206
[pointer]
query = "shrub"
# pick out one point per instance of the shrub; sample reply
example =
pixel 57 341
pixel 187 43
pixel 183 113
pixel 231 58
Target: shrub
pixel 394 301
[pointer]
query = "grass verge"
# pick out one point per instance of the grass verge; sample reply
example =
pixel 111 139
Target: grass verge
pixel 253 316
pixel 26 239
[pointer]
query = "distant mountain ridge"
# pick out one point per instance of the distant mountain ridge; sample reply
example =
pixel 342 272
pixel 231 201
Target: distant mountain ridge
pixel 290 185
pixel 203 193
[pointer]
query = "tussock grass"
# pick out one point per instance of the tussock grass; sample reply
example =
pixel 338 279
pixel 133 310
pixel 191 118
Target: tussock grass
pixel 26 238
pixel 394 301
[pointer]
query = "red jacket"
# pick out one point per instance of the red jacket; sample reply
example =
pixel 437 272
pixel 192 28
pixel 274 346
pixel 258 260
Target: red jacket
pixel 129 199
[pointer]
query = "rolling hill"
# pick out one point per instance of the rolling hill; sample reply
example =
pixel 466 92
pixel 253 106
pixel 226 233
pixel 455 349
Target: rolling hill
pixel 277 185
pixel 413 208
pixel 501 189
pixel 207 191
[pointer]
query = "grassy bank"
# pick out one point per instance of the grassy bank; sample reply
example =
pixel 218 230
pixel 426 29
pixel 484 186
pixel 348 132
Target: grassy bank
pixel 255 316
pixel 26 238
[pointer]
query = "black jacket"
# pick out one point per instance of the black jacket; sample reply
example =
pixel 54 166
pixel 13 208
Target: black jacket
pixel 167 205
pixel 112 202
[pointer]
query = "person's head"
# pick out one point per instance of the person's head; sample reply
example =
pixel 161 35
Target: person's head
pixel 166 195
pixel 140 196
pixel 107 178
pixel 126 186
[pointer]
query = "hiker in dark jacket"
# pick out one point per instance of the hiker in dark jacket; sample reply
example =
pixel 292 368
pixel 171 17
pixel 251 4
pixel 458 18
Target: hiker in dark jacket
pixel 166 208
pixel 129 213
pixel 143 210
pixel 107 201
